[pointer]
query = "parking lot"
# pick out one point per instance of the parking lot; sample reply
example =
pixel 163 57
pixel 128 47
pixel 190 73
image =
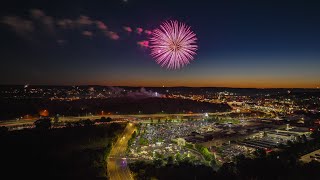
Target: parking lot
pixel 315 155
pixel 156 139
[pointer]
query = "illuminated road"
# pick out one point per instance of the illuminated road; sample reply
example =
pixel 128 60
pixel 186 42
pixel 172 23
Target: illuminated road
pixel 113 116
pixel 116 162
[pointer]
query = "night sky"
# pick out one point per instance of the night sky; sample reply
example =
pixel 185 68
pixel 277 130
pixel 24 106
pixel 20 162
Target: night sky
pixel 241 44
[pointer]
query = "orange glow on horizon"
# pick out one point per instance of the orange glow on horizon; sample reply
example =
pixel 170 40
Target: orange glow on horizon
pixel 226 83
pixel 214 81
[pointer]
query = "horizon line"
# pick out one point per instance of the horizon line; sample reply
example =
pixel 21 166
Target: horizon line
pixel 138 86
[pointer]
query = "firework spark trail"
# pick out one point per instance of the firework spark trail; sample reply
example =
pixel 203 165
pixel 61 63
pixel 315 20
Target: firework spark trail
pixel 148 32
pixel 173 45
pixel 127 28
pixel 139 30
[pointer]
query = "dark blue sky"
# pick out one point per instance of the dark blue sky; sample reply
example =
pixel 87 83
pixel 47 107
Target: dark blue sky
pixel 241 44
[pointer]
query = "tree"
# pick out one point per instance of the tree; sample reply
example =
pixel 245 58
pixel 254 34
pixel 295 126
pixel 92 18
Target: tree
pixel 87 122
pixel 213 163
pixel 69 125
pixel 260 153
pixel 158 155
pixel 239 158
pixel 289 143
pixel 109 119
pixel 77 124
pixel 104 119
pixel 264 134
pixel 143 141
pixel 178 157
pixel 158 162
pixel 43 124
pixel 134 134
pixel 170 160
pixel 299 139
pixel 304 138
pixel 205 152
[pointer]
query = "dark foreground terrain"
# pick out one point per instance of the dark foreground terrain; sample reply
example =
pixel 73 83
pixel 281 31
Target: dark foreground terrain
pixel 73 152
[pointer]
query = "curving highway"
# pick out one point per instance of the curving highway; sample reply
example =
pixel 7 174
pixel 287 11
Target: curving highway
pixel 116 162
pixel 10 123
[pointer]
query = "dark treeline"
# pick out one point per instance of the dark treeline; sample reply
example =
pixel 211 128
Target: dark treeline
pixel 11 108
pixel 71 152
pixel 258 169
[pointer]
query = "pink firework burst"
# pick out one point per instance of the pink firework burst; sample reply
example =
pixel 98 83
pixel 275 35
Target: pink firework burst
pixel 173 45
